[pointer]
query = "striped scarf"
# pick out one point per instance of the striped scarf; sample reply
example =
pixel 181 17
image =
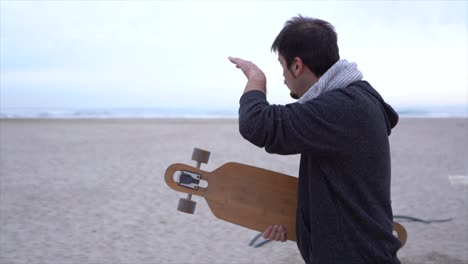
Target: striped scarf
pixel 340 75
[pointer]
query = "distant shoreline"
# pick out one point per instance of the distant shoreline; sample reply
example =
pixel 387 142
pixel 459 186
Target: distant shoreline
pixel 126 120
pixel 438 111
pixel 182 121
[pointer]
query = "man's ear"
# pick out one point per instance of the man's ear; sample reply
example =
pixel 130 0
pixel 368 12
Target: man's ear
pixel 297 67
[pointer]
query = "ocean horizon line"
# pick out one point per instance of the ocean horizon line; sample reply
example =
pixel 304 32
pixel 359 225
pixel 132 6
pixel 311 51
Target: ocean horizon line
pixel 450 111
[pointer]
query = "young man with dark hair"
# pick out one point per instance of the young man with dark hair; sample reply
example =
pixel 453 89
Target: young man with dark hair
pixel 340 126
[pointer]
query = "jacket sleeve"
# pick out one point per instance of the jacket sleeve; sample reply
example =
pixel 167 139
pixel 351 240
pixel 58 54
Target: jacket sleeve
pixel 289 129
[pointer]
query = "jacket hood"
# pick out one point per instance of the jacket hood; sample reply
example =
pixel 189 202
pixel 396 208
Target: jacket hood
pixel 390 114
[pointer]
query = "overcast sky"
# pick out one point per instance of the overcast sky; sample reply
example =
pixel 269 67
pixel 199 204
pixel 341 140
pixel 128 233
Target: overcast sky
pixel 78 54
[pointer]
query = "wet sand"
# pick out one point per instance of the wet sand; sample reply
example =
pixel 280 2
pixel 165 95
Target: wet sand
pixel 92 191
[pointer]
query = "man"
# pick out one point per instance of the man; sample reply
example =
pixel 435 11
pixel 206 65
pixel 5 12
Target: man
pixel 340 126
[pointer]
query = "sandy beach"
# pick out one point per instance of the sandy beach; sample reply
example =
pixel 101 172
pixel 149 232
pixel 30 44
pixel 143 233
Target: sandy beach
pixel 92 191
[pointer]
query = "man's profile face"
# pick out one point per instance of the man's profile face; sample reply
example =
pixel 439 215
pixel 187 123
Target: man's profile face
pixel 289 78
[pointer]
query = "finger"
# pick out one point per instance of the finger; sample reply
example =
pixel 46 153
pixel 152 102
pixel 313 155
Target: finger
pixel 273 234
pixel 235 60
pixel 283 234
pixel 232 59
pixel 267 232
pixel 278 234
pixel 240 63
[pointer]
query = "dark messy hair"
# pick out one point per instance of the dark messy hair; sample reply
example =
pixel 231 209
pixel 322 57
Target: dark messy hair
pixel 313 40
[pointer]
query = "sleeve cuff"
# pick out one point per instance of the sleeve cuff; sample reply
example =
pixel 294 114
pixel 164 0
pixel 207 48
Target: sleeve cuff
pixel 252 94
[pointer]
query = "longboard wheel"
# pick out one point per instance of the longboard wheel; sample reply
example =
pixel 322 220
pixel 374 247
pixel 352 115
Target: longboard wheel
pixel 200 155
pixel 186 206
pixel 401 233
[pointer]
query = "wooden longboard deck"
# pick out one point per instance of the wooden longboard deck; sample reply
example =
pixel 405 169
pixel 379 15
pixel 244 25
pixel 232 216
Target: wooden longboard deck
pixel 245 195
pixel 248 196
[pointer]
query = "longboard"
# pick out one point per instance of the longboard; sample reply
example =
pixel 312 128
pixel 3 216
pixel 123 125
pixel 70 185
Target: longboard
pixel 245 195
